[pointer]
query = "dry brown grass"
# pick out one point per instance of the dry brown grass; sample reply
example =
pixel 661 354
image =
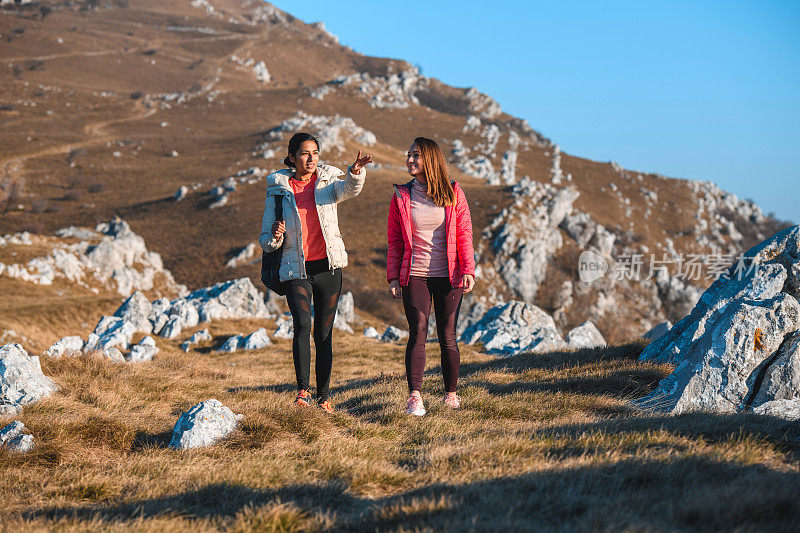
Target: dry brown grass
pixel 544 442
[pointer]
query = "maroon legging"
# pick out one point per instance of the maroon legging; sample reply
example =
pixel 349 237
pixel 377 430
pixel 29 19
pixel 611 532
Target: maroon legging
pixel 417 304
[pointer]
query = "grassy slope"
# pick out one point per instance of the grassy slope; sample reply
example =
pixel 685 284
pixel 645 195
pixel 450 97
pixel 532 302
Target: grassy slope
pixel 542 441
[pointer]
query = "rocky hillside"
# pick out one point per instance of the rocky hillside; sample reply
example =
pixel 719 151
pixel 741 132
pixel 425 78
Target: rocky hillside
pixel 169 114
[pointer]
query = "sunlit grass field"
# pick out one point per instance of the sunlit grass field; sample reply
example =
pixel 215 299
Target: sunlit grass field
pixel 542 442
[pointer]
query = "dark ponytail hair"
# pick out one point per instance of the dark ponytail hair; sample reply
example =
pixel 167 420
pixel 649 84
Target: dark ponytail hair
pixel 294 145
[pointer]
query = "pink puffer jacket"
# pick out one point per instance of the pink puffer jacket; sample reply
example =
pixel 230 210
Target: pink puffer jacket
pixel 458 229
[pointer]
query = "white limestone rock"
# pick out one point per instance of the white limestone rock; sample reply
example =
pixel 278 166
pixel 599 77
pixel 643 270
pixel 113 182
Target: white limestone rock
pixel 781 379
pixel 144 351
pixel 786 409
pixel 513 328
pixel 187 312
pixel 159 321
pixel 16 438
pixel 371 333
pixel 345 313
pixel 285 327
pixel 759 285
pixel 65 345
pixel 21 378
pixel 718 370
pixel 393 334
pixel 585 336
pixel 112 354
pixel 580 227
pixel 525 235
pixel 658 331
pixel 137 310
pixel 110 331
pixel 181 193
pixel 203 425
pixel 233 299
pixel 199 336
pixel 256 340
pixel 172 328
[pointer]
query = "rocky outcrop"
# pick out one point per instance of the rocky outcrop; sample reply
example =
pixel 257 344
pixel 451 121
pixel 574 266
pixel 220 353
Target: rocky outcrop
pixel 21 379
pixel 66 345
pixel 16 438
pixel 144 351
pixel 738 346
pixel 525 235
pixel 113 257
pixel 203 425
pixel 514 328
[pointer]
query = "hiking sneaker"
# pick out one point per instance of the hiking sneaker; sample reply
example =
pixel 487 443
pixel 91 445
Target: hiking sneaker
pixel 326 406
pixel 414 406
pixel 303 398
pixel 452 401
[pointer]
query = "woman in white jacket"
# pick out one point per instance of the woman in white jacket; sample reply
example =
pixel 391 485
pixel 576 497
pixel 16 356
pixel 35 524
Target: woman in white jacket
pixel 313 252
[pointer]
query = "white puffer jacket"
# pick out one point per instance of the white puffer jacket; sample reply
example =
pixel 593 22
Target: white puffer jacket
pixel 329 191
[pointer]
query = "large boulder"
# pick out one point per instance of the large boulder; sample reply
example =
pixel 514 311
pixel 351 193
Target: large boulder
pixel 759 284
pixel 513 328
pixel 202 425
pixel 21 378
pixel 585 336
pixel 718 369
pixel 738 347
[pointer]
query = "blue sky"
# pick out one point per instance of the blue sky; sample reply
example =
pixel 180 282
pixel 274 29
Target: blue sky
pixel 704 90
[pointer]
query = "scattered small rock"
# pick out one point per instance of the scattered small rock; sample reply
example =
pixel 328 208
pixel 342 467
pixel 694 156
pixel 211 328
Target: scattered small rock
pixel 202 425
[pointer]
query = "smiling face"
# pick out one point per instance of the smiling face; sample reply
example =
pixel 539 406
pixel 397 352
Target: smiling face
pixel 306 158
pixel 414 162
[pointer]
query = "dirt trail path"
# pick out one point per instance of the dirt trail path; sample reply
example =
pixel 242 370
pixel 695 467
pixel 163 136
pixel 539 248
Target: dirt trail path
pixel 14 164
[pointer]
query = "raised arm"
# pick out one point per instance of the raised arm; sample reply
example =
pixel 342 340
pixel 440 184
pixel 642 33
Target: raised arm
pixel 356 175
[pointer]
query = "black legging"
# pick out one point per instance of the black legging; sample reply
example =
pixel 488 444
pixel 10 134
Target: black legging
pixel 324 285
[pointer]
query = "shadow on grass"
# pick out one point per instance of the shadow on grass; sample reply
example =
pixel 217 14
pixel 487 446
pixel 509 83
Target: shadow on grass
pixel 641 494
pixel 280 388
pixel 144 441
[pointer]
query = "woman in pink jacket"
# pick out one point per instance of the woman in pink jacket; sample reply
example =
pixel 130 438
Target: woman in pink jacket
pixel 430 257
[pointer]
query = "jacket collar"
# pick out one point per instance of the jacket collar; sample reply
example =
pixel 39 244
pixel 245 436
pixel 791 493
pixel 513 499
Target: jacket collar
pixel 280 178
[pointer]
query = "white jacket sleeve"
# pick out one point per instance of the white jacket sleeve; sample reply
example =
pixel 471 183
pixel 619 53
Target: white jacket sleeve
pixel 349 187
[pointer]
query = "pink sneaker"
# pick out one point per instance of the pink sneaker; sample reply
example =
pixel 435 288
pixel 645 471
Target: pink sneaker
pixel 414 405
pixel 452 401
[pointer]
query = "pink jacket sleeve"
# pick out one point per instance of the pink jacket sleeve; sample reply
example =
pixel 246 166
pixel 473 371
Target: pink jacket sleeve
pixel 394 234
pixel 466 253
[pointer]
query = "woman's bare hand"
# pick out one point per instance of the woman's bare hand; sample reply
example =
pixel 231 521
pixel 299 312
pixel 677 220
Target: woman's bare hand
pixel 468 283
pixel 394 288
pixel 278 228
pixel 360 163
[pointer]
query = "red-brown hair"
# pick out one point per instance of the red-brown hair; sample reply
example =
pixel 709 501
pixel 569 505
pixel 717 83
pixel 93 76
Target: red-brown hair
pixel 440 189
